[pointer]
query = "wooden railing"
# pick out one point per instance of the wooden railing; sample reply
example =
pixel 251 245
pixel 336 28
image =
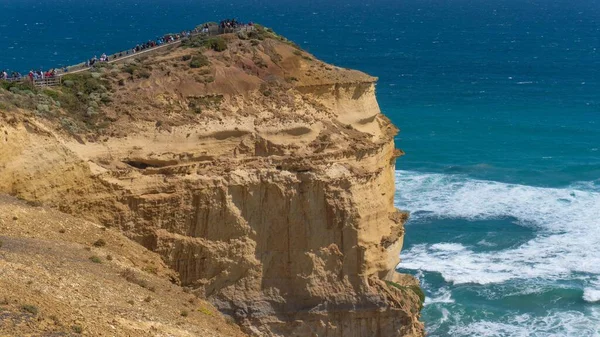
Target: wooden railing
pixel 40 82
pixel 47 82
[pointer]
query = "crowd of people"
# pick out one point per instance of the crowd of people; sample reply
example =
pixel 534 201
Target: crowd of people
pixel 33 75
pixel 224 26
pixel 169 38
pixel 230 25
pixel 8 75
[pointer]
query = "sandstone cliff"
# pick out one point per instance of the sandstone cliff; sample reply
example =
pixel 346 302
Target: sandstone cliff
pixel 263 177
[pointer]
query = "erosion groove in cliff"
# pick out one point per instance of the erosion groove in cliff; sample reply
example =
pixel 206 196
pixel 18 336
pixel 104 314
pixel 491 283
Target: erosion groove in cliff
pixel 264 179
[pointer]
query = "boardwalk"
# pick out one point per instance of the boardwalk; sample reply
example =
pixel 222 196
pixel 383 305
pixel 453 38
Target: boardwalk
pixel 213 30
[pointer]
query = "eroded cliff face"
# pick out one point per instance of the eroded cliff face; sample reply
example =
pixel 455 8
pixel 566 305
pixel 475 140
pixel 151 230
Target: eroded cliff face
pixel 268 189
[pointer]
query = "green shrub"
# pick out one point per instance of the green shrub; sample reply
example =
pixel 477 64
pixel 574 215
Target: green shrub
pixel 95 259
pixel 32 309
pixel 130 68
pixel 185 313
pixel 77 328
pixel 216 43
pixel 100 243
pixel 18 86
pixel 417 290
pixel 55 320
pixel 143 73
pixel 414 288
pixel 75 97
pixel 199 61
pixel 205 311
pixel 193 42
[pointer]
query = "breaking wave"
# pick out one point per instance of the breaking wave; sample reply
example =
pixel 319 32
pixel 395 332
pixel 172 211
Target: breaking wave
pixel 566 221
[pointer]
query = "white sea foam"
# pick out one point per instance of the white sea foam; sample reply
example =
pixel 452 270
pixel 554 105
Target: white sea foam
pixel 443 295
pixel 591 295
pixel 557 323
pixel 567 221
pixel 592 292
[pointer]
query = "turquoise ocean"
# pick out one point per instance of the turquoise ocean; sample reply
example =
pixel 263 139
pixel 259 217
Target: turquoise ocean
pixel 498 102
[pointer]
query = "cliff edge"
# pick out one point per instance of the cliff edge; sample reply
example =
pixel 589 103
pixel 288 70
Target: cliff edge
pixel 263 177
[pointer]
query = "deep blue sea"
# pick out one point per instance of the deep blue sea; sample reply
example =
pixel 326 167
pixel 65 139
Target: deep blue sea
pixel 498 103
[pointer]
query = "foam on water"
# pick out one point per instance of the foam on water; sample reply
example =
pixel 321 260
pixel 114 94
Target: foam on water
pixel 566 220
pixel 443 295
pixel 592 292
pixel 557 323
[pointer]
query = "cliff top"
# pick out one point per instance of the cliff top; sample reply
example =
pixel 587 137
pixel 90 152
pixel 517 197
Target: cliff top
pixel 245 94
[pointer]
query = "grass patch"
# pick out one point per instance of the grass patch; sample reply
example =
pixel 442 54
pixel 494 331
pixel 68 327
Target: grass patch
pixel 55 320
pixel 100 243
pixel 414 288
pixel 77 328
pixel 18 86
pixel 150 270
pixel 199 103
pixel 199 61
pixel 217 44
pixel 139 71
pixel 95 259
pixel 32 309
pixel 205 311
pixel 79 90
pixel 131 276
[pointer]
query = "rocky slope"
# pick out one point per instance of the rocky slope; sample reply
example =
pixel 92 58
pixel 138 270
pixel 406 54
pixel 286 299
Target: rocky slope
pixel 62 276
pixel 263 177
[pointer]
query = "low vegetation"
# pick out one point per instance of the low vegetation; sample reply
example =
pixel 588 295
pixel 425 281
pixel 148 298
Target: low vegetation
pixel 137 70
pixel 199 61
pixel 198 103
pixel 413 288
pixel 217 44
pixel 131 276
pixel 77 328
pixel 95 259
pixel 100 243
pixel 32 309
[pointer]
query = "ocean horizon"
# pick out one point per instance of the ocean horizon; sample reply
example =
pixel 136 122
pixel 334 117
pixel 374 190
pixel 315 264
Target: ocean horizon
pixel 499 110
